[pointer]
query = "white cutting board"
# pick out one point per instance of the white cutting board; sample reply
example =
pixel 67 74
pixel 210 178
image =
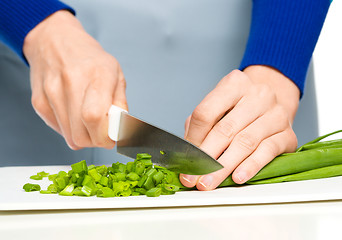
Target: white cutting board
pixel 13 197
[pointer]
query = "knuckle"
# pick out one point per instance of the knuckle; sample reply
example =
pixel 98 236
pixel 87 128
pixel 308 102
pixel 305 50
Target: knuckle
pixel 235 74
pixel 200 116
pixel 81 141
pixel 293 141
pixel 100 142
pixel 264 90
pixel 234 77
pixel 272 148
pixel 225 128
pixel 255 165
pixel 51 89
pixel 39 104
pixel 91 115
pixel 282 117
pixel 246 141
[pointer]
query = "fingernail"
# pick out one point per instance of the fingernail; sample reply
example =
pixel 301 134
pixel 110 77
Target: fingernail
pixel 190 178
pixel 241 176
pixel 206 181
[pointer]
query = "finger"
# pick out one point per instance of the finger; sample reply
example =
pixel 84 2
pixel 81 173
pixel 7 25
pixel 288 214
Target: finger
pixel 266 152
pixel 97 101
pixel 227 93
pixel 56 98
pixel 186 126
pixel 244 113
pixel 79 132
pixel 44 111
pixel 119 98
pixel 244 144
pixel 41 104
pixel 188 180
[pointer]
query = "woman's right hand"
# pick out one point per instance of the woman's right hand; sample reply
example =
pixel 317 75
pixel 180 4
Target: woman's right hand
pixel 74 81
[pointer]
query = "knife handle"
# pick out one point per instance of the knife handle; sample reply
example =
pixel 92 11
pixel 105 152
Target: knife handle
pixel 114 116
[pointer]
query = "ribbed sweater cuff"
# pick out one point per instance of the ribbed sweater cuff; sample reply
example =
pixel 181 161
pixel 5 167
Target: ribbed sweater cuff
pixel 283 35
pixel 19 17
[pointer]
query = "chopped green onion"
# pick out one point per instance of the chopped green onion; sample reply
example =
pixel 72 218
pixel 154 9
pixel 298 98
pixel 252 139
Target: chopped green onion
pixel 87 190
pixel 29 187
pixel 154 192
pixel 119 180
pixel 158 177
pixel 105 192
pixel 143 156
pixel 43 174
pixel 46 192
pixel 52 188
pixel 104 181
pixel 36 177
pixel 80 167
pixel 94 174
pixel 132 176
pixel 67 191
pixel 52 177
pixel 120 176
pixel 148 183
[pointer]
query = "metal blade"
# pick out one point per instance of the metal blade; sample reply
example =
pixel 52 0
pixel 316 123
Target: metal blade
pixel 166 149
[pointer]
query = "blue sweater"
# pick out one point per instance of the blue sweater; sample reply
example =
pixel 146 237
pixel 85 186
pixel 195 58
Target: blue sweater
pixel 283 33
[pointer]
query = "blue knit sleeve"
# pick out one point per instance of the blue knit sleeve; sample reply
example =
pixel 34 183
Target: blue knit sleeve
pixel 283 35
pixel 18 17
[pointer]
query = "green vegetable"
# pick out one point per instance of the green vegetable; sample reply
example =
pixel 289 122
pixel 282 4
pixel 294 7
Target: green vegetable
pixel 324 172
pixel 67 191
pixel 119 180
pixel 80 167
pixel 29 187
pixel 315 159
pixel 43 174
pixel 154 192
pixel 313 155
pixel 36 177
pixel 45 192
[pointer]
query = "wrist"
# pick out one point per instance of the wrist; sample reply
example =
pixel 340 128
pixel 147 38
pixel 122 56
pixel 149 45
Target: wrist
pixel 45 29
pixel 286 91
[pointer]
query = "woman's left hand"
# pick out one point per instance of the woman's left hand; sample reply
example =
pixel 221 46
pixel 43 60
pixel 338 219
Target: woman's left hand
pixel 244 123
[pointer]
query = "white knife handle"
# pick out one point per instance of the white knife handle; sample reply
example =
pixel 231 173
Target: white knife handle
pixel 114 116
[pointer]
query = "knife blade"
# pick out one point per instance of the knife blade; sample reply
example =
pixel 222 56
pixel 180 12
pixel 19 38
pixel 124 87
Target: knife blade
pixel 167 150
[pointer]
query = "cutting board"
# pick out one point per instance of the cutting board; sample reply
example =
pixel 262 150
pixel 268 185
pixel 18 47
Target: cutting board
pixel 13 197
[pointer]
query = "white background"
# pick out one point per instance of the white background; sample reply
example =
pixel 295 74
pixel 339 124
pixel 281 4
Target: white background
pixel 327 69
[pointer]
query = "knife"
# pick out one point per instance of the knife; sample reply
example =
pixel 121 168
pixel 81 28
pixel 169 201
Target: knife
pixel 167 150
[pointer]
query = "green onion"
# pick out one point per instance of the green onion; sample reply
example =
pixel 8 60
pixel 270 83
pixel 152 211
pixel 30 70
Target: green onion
pixel 67 191
pixel 52 188
pixel 132 176
pixel 36 177
pixel 154 192
pixel 29 187
pixel 105 192
pixel 94 174
pixel 311 161
pixel 43 174
pixel 119 180
pixel 45 192
pixel 80 167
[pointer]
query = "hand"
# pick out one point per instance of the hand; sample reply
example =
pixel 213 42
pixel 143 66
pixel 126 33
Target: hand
pixel 243 123
pixel 73 80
